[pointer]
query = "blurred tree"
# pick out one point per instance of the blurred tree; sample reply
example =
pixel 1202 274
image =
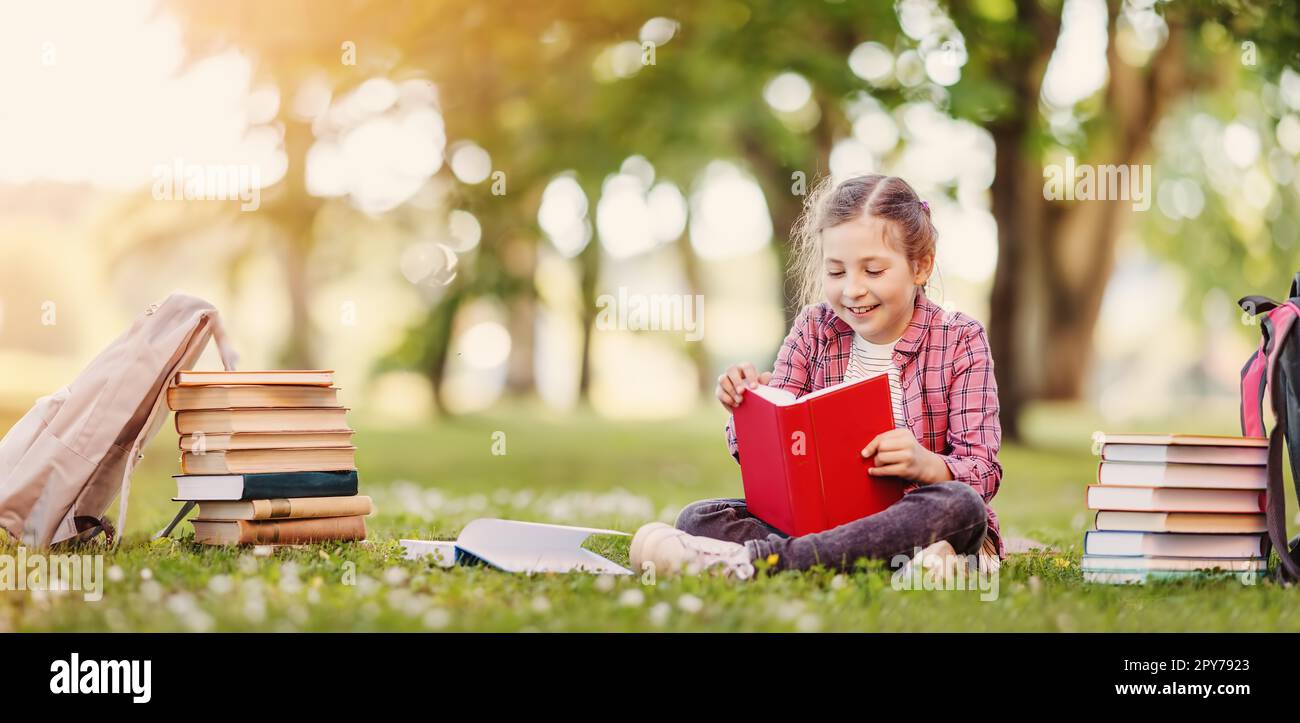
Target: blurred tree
pixel 1227 208
pixel 354 41
pixel 1055 257
pixel 285 55
pixel 524 82
pixel 703 99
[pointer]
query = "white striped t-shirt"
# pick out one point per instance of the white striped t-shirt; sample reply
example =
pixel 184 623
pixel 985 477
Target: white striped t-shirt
pixel 870 359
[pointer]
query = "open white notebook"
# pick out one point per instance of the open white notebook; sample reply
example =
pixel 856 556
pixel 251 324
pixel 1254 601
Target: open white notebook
pixel 516 546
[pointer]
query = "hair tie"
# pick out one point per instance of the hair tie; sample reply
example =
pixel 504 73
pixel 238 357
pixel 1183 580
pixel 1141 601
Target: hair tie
pixel 926 205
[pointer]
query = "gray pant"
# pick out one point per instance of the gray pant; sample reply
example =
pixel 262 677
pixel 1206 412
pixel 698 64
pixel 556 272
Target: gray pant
pixel 951 511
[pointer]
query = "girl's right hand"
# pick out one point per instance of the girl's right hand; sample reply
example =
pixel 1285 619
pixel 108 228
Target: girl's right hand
pixel 733 382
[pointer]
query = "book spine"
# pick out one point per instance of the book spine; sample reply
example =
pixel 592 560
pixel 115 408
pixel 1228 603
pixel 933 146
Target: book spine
pixel 299 484
pixel 288 508
pixel 188 465
pixel 293 532
pixel 203 443
pixel 193 421
pixel 248 419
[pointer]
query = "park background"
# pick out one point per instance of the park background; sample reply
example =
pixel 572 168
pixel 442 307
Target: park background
pixel 441 193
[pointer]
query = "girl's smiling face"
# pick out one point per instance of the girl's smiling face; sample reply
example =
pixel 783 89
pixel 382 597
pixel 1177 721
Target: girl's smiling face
pixel 868 282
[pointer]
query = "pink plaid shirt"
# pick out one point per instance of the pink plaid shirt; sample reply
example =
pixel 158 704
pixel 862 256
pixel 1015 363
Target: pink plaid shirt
pixel 950 399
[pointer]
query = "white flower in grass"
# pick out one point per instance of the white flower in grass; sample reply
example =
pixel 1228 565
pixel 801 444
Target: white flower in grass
pixel 631 598
pixel 789 610
pixel 221 584
pixel 247 564
pixel 313 596
pixel 181 603
pixel 808 623
pixel 415 605
pixel 540 604
pixel 146 574
pixel 605 583
pixel 397 599
pixel 394 576
pixel 255 610
pixel 437 619
pixel 690 604
pixel 290 583
pixel 151 591
pixel 115 574
pixel 839 582
pixel 659 614
pixel 184 607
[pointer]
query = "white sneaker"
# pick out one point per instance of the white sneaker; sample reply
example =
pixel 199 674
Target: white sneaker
pixel 938 560
pixel 941 560
pixel 672 551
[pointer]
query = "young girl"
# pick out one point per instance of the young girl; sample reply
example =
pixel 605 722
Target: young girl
pixel 865 248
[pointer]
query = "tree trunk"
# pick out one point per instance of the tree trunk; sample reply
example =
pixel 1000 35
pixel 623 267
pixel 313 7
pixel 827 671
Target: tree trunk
pixel 1016 300
pixel 1056 257
pixel 589 261
pixel 521 323
pixel 696 350
pixel 294 212
pixel 297 352
pixel 440 331
pixel 521 320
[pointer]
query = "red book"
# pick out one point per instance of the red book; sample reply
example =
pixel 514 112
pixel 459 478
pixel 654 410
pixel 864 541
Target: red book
pixel 801 459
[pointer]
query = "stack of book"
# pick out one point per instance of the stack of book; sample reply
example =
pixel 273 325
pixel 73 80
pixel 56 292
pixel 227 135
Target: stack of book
pixel 1175 506
pixel 268 457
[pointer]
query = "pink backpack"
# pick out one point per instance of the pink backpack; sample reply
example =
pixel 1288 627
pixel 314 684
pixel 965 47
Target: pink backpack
pixel 1272 377
pixel 63 463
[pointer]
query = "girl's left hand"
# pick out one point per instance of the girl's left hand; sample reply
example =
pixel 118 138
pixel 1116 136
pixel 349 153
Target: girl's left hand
pixel 899 454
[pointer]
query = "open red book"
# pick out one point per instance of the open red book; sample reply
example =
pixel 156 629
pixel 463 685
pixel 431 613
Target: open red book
pixel 801 459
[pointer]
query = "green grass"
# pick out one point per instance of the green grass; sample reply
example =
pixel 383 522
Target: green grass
pixel 429 481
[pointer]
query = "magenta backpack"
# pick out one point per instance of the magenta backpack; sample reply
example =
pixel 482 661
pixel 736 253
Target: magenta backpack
pixel 1272 374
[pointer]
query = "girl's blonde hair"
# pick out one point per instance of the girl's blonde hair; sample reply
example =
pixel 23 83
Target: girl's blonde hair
pixel 831 204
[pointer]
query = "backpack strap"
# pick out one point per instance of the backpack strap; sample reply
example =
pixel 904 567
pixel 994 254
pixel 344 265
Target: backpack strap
pixel 1275 509
pixel 1256 305
pixel 87 528
pixel 124 494
pixel 185 510
pixel 229 359
pixel 1254 372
